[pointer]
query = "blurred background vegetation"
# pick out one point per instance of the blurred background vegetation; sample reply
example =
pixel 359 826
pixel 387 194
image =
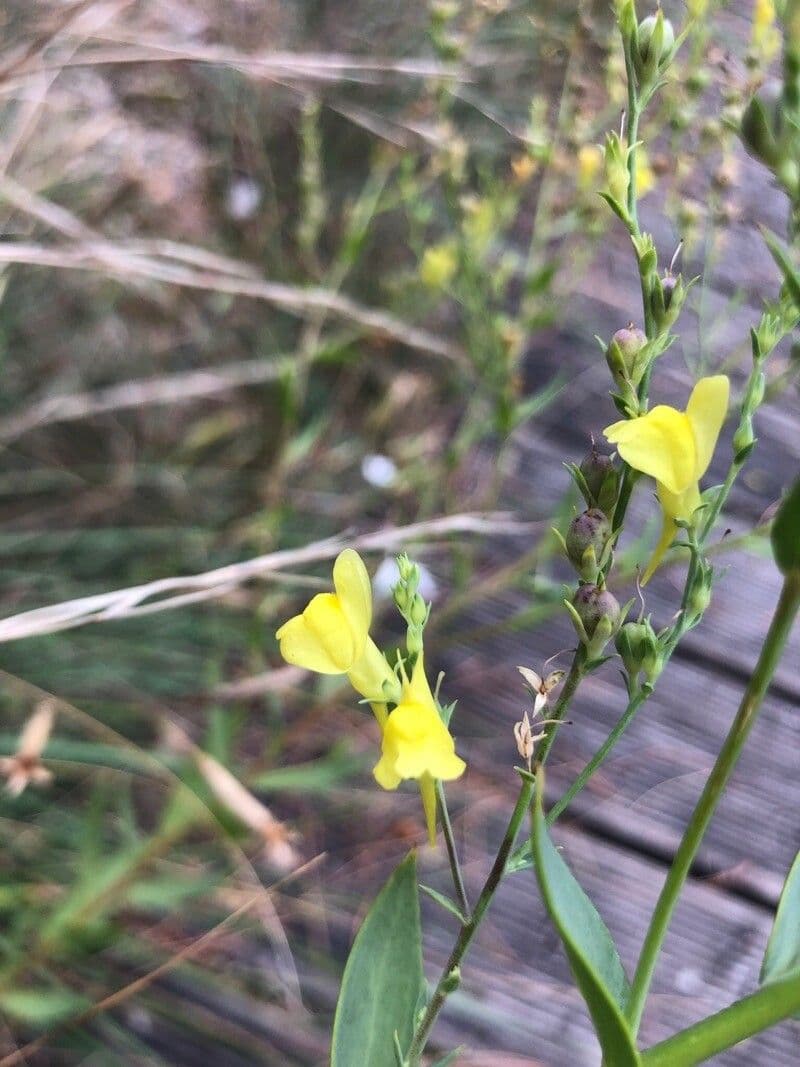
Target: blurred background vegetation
pixel 273 271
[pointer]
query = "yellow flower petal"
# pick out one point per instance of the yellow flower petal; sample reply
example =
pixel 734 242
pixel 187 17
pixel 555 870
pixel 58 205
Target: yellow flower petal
pixel 679 505
pixel 418 691
pixel 301 646
pixel 660 443
pixel 422 742
pixel 674 506
pixel 370 671
pixel 354 592
pixel 706 411
pixel 668 531
pixel 385 775
pixel 326 620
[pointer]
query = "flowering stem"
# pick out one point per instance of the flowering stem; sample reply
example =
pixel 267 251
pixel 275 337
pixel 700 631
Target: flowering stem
pixel 782 620
pixel 452 853
pixel 575 676
pixel 450 974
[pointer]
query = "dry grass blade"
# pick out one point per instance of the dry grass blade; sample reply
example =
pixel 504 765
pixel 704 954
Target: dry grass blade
pixel 178 591
pixel 279 65
pixel 171 389
pixel 126 265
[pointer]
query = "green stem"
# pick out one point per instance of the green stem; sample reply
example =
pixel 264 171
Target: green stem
pixel 468 930
pixel 575 676
pixel 452 852
pixel 776 638
pixel 769 1005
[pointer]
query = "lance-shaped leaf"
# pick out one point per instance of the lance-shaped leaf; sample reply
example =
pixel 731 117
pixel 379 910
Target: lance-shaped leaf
pixel 782 956
pixel 383 978
pixel 781 256
pixel 589 946
pixel 786 532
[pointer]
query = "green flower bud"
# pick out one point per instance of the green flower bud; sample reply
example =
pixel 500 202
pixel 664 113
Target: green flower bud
pixel 617 175
pixel 624 356
pixel 586 541
pixel 700 595
pixel 744 439
pixel 640 650
pixel 600 481
pixel 655 42
pixel 414 643
pixel 757 390
pixel 667 295
pixel 418 612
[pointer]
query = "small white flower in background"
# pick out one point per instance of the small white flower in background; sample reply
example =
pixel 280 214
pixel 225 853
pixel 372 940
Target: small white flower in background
pixel 378 470
pixel 386 577
pixel 25 767
pixel 243 198
pixel 540 688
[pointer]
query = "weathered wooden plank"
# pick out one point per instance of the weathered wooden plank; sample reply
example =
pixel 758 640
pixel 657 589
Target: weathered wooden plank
pixel 517 996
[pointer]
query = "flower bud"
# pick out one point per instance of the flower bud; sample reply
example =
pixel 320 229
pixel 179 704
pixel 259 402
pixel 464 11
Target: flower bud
pixel 757 390
pixel 639 650
pixel 667 295
pixel 625 357
pixel 655 41
pixel 700 594
pixel 601 481
pixel 744 439
pixel 586 541
pixel 596 614
pixel 595 605
pixel 617 174
pixel 418 612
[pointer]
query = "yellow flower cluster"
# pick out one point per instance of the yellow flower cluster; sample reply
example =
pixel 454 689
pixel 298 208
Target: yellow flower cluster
pixel 331 636
pixel 675 448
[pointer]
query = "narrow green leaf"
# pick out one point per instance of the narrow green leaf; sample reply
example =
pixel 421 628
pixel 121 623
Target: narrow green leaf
pixel 782 956
pixel 786 532
pixel 383 977
pixel 444 902
pixel 785 265
pixel 590 949
pixel 41 1008
pixel 743 1019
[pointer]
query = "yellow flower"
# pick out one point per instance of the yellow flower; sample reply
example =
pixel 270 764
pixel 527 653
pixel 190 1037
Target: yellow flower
pixel 590 164
pixel 675 448
pixel 645 178
pixel 523 167
pixel 332 635
pixel 417 744
pixel 438 267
